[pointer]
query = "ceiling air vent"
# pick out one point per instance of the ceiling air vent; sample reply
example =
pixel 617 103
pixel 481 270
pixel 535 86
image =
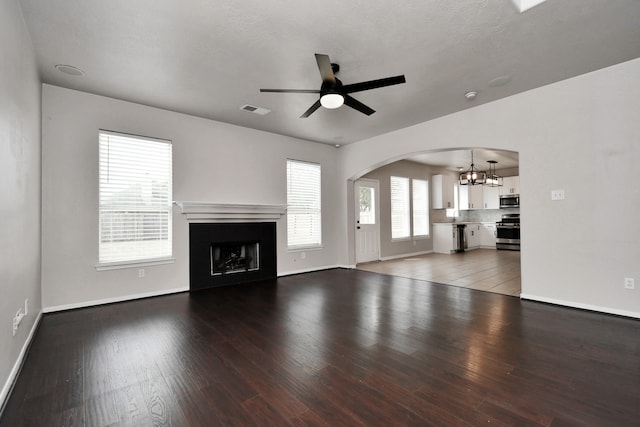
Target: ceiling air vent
pixel 255 110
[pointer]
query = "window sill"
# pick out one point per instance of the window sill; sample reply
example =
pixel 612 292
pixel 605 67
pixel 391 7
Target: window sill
pixel 133 264
pixel 425 237
pixel 401 239
pixel 305 249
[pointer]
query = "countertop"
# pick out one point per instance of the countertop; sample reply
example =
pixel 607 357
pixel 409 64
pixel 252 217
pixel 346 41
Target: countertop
pixel 464 222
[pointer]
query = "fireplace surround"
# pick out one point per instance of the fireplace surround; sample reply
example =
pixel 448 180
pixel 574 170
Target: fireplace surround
pixel 228 253
pixel 242 236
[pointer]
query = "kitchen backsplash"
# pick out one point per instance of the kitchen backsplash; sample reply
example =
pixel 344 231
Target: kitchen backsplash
pixel 479 215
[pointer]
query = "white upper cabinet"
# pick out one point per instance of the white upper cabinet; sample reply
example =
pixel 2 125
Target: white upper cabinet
pixel 471 197
pixel 511 185
pixel 491 197
pixel 442 192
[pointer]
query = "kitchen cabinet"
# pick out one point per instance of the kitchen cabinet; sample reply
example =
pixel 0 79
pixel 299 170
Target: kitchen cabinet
pixel 442 192
pixel 488 235
pixel 445 238
pixel 491 199
pixel 471 197
pixel 473 235
pixel 510 185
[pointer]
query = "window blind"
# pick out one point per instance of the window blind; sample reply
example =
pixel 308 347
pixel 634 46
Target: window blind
pixel 420 190
pixel 399 207
pixel 303 205
pixel 134 198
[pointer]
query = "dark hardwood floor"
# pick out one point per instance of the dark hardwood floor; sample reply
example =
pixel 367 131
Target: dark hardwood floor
pixel 331 348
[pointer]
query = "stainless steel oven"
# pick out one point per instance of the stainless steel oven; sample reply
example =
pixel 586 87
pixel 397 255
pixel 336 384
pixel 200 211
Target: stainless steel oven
pixel 508 232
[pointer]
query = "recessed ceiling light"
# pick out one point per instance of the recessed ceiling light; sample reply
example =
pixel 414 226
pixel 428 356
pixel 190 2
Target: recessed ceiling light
pixel 70 69
pixel 471 95
pixel 500 81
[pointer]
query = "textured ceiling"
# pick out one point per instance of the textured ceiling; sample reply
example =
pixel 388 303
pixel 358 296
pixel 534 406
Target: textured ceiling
pixel 208 58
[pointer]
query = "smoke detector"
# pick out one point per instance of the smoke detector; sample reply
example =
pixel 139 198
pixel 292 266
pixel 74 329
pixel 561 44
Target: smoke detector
pixel 471 95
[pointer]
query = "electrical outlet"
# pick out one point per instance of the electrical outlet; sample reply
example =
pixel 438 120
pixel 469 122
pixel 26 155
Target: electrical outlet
pixel 557 194
pixel 17 320
pixel 629 283
pixel 141 272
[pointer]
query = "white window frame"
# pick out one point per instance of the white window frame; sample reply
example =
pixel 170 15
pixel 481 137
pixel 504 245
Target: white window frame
pixel 304 205
pixel 137 195
pixel 419 212
pixel 400 195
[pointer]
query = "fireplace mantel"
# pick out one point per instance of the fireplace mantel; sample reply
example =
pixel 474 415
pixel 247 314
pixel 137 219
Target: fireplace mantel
pixel 229 212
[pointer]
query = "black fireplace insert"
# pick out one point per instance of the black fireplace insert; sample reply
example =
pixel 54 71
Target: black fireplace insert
pixel 231 253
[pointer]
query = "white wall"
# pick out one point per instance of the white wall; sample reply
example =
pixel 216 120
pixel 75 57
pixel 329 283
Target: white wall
pixel 212 162
pixel 581 135
pixel 19 187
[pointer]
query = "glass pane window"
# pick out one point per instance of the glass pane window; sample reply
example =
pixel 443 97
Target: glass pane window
pixel 367 205
pixel 135 182
pixel 304 214
pixel 420 192
pixel 400 216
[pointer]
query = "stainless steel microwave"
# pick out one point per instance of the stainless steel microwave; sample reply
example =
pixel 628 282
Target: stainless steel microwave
pixel 509 201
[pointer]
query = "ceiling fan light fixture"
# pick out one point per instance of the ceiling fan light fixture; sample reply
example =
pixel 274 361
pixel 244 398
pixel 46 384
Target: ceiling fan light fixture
pixel 332 100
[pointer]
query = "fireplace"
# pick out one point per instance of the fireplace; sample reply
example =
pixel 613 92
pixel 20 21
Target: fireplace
pixel 235 257
pixel 229 253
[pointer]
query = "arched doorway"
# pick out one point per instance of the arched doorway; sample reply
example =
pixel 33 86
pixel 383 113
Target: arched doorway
pixel 481 266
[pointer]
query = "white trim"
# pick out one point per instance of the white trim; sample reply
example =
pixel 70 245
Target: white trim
pixel 209 212
pixel 112 300
pixel 308 270
pixel 582 306
pixel 13 375
pixel 387 258
pixel 133 264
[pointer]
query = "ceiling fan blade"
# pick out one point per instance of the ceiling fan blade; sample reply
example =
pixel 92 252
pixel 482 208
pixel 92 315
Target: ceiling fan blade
pixel 311 109
pixel 373 84
pixel 326 71
pixel 357 105
pixel 290 90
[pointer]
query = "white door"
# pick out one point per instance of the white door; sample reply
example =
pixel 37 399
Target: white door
pixel 367 220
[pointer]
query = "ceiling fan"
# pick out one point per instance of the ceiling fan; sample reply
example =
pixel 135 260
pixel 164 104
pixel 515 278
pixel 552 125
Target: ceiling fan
pixel 333 93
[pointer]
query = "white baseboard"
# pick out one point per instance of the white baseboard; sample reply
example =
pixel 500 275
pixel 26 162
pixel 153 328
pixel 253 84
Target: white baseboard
pixel 13 375
pixel 112 300
pixel 581 306
pixel 308 270
pixel 388 258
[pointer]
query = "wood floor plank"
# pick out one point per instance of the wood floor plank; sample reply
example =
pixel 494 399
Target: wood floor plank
pixel 332 348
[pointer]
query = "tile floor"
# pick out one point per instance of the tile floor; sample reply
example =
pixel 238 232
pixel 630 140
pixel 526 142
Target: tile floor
pixel 483 269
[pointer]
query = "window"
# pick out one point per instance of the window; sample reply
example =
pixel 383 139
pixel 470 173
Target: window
pixel 400 220
pixel 135 199
pixel 420 207
pixel 303 205
pixel 367 202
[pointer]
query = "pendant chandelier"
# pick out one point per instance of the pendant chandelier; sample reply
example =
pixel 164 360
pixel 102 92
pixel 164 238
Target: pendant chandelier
pixel 493 179
pixel 473 176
